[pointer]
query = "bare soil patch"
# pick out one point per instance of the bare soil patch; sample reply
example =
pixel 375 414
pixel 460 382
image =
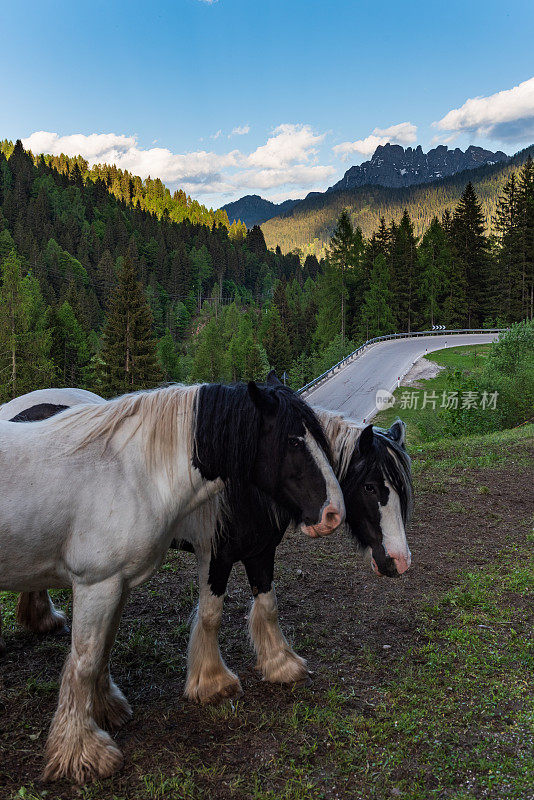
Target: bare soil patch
pixel 422 370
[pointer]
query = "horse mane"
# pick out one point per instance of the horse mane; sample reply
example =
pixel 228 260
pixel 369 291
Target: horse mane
pixel 228 427
pixel 342 434
pixel 396 464
pixel 164 416
pixel 243 506
pixel 390 456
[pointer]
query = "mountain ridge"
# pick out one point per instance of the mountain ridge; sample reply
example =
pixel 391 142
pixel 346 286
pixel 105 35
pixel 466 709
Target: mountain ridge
pixel 309 224
pixel 251 209
pixel 391 166
pixel 394 166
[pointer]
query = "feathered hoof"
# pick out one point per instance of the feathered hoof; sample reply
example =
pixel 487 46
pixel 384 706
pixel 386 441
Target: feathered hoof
pixel 111 709
pixel 36 613
pixel 56 623
pixel 285 666
pixel 89 757
pixel 217 689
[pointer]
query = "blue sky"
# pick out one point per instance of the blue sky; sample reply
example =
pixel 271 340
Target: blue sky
pixel 279 98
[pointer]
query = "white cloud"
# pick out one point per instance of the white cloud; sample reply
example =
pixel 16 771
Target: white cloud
pixel 404 133
pixel 240 130
pixel 287 144
pixel 288 158
pixel 506 115
pixel 297 175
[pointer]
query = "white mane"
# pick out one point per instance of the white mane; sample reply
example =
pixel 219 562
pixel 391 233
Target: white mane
pixel 164 418
pixel 343 435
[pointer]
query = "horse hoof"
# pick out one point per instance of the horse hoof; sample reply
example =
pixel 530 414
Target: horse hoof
pixel 214 691
pixel 285 667
pixel 92 757
pixel 3 647
pixel 230 692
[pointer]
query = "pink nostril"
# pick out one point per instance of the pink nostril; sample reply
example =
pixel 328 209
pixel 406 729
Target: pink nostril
pixel 402 563
pixel 331 517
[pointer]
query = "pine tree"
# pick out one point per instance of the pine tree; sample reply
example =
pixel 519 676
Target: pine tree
pixel 343 255
pixel 378 318
pixel 403 261
pixel 129 354
pixel 276 342
pixel 508 252
pixel 24 338
pixel 434 264
pixel 470 251
pixel 526 232
pixel 169 358
pixel 208 362
pixel 69 349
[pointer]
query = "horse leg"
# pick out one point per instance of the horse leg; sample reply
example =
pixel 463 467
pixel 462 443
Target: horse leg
pixel 77 748
pixel 110 707
pixel 277 661
pixel 36 612
pixel 208 678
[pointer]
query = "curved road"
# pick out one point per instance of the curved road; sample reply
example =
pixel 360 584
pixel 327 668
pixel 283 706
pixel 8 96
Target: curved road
pixel 353 389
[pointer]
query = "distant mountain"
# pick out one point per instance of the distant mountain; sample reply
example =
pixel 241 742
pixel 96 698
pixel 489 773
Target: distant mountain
pixel 253 209
pixel 392 165
pixel 310 222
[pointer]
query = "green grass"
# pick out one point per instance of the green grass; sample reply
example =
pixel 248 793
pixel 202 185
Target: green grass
pixel 468 359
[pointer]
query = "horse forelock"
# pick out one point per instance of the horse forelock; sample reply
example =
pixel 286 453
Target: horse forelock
pixel 164 418
pixel 342 435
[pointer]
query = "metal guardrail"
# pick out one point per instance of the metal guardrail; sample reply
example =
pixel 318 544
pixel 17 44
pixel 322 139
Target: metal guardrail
pixel 362 347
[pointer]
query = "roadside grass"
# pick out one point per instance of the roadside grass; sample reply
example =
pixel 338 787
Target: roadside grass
pixel 468 359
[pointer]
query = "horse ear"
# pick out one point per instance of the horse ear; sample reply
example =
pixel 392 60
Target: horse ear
pixel 365 442
pixel 272 379
pixel 397 432
pixel 262 399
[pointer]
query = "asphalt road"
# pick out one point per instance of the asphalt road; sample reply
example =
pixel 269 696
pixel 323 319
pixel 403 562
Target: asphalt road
pixel 353 389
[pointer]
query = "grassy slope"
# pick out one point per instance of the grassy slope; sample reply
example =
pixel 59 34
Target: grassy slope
pixel 313 220
pixel 469 359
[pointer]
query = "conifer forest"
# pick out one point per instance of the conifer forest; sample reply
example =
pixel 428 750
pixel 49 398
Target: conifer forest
pixel 112 283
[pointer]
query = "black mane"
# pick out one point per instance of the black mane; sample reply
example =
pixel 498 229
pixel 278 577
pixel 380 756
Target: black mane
pixel 228 427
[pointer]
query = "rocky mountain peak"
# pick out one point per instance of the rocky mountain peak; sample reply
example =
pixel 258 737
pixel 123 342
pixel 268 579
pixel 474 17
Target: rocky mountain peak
pixel 396 166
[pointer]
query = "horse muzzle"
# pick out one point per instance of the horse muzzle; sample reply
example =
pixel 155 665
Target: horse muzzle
pixel 394 565
pixel 331 518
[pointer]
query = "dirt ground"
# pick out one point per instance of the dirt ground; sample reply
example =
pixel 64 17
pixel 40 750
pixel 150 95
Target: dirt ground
pixel 336 612
pixel 422 370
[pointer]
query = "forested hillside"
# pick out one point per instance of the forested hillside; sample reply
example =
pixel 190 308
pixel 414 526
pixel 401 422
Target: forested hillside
pixel 309 224
pixel 67 232
pixel 99 291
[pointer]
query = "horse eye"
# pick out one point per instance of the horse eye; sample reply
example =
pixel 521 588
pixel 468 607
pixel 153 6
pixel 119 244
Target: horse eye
pixel 294 441
pixel 370 488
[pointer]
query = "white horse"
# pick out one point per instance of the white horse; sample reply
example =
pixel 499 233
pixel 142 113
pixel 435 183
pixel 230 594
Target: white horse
pixel 92 497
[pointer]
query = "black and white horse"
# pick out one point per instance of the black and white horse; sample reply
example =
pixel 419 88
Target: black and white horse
pixel 374 472
pixel 110 486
